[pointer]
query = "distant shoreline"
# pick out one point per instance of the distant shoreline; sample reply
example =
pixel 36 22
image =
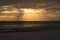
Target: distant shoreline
pixel 33 22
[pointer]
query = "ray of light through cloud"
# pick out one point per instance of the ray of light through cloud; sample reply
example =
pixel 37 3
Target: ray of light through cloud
pixel 31 11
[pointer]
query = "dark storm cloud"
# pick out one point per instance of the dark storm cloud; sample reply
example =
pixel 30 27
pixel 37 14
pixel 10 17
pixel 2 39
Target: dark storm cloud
pixel 47 4
pixel 2 2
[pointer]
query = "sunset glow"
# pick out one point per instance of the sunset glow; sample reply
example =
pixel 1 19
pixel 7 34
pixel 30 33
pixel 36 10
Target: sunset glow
pixel 28 11
pixel 26 14
pixel 33 14
pixel 7 18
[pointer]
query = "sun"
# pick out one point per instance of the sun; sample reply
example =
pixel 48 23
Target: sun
pixel 28 10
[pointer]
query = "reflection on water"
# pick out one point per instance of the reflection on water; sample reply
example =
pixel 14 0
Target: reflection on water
pixel 22 25
pixel 15 24
pixel 33 25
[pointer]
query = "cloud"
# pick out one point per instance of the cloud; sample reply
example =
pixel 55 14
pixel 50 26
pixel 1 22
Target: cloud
pixel 52 6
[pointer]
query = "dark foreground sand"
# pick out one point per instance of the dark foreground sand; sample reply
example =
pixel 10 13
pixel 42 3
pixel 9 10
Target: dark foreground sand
pixel 46 35
pixel 53 34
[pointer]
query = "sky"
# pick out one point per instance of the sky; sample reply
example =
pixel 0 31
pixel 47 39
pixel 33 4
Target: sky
pixel 51 6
